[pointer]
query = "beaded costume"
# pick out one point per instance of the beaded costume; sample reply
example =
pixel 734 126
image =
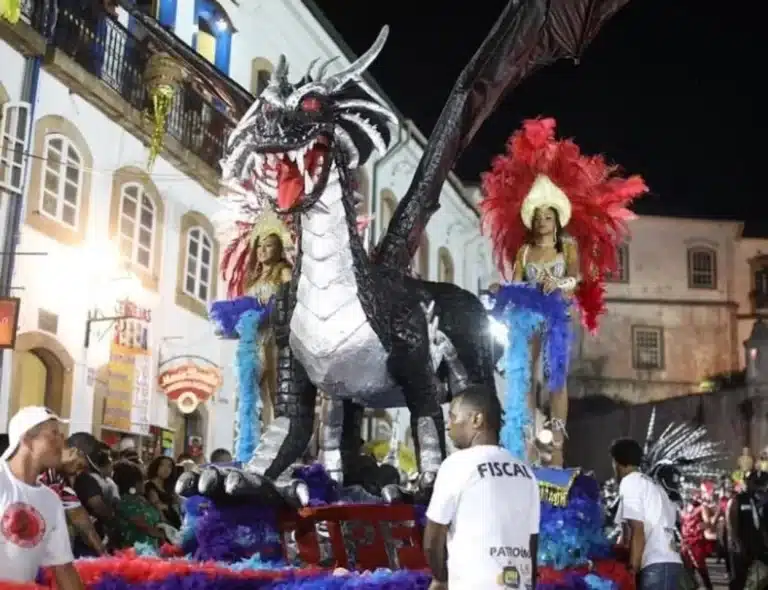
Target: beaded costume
pixel 589 201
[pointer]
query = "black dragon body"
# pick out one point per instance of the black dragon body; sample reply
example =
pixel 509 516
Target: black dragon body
pixel 360 328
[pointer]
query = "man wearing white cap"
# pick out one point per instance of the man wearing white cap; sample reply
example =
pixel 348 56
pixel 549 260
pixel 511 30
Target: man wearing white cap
pixel 33 528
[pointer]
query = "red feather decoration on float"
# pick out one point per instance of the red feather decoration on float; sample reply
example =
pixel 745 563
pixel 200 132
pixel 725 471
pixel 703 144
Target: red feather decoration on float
pixel 598 195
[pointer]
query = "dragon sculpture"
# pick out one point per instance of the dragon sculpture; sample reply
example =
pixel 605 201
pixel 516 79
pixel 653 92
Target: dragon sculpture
pixel 360 328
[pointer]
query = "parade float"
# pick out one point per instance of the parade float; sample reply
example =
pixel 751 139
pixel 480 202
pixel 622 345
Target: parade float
pixel 315 315
pixel 336 543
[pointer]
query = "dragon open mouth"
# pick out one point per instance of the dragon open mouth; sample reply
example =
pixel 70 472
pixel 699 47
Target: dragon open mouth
pixel 288 176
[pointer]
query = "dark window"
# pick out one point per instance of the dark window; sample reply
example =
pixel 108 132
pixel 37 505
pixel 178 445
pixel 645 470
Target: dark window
pixel 702 268
pixel 647 348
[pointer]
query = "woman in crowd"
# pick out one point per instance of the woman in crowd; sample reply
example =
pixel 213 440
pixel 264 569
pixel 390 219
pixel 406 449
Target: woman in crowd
pixel 159 489
pixel 698 522
pixel 138 520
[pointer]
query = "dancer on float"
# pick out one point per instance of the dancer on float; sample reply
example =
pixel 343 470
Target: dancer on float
pixel 255 264
pixel 556 218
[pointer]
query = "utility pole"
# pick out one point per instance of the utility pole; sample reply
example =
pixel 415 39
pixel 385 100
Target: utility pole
pixel 12 222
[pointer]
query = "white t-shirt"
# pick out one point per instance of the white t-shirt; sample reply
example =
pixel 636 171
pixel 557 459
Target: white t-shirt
pixel 644 500
pixel 491 502
pixel 33 529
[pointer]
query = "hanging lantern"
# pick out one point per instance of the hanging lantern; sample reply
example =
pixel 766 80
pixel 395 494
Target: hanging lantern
pixel 162 77
pixel 10 10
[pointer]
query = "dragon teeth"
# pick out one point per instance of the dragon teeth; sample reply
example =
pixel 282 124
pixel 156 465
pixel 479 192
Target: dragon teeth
pixel 300 160
pixel 268 188
pixel 309 184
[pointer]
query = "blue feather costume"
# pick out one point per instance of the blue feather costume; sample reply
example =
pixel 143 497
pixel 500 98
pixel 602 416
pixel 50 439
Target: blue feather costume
pixel 241 318
pixel 525 309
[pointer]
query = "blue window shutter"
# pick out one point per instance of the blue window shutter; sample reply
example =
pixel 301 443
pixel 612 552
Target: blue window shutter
pixel 166 13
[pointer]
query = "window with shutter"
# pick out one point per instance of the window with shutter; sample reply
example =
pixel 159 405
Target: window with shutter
pixel 15 127
pixel 197 281
pixel 61 190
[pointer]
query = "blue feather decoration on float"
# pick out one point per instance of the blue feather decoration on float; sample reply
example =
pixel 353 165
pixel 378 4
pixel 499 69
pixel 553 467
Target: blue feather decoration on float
pixel 571 525
pixel 242 317
pixel 524 309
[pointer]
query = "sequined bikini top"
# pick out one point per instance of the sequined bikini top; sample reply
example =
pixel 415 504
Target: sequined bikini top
pixel 265 288
pixel 533 270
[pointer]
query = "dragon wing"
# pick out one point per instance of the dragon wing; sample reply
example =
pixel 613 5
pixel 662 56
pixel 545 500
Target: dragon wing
pixel 528 35
pixel 512 50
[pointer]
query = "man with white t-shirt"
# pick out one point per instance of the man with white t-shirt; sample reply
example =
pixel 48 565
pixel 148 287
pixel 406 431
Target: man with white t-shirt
pixel 650 519
pixel 33 528
pixel 483 520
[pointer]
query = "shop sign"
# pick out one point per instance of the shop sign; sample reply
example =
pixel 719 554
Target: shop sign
pixel 9 321
pixel 189 382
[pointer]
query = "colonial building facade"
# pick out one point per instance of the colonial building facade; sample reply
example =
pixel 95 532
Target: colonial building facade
pixel 674 312
pixel 98 226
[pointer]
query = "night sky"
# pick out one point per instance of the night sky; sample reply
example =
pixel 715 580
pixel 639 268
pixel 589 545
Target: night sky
pixel 667 90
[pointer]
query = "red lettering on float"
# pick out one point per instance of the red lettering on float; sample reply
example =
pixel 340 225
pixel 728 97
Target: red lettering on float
pixel 362 537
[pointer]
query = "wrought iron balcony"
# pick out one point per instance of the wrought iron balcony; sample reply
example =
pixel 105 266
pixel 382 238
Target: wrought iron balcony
pixel 118 58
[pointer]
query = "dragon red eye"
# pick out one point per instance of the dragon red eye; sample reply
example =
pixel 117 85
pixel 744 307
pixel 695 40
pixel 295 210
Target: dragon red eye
pixel 311 105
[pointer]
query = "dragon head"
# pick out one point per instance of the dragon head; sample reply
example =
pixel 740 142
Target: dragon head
pixel 292 139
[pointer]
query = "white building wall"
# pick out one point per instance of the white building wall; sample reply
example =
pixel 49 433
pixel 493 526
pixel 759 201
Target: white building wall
pixel 68 281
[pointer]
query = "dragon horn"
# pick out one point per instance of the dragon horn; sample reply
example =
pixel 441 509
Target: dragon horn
pixel 280 75
pixel 308 75
pixel 324 68
pixel 360 65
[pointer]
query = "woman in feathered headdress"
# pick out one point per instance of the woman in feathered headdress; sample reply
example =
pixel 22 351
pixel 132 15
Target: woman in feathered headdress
pixel 556 218
pixel 255 264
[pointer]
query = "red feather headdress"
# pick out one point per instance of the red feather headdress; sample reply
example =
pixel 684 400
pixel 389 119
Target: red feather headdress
pixel 598 198
pixel 254 219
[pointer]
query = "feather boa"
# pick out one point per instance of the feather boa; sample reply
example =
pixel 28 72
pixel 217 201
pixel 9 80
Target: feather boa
pixel 248 358
pixel 242 317
pixel 129 572
pixel 599 198
pixel 525 309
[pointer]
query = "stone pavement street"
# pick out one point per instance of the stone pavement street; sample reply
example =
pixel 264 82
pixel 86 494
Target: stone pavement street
pixel 718 574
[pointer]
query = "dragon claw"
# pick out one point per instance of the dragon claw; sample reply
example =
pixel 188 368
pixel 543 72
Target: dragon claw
pixel 395 494
pixel 249 486
pixel 227 484
pixel 421 494
pixel 187 484
pixel 210 482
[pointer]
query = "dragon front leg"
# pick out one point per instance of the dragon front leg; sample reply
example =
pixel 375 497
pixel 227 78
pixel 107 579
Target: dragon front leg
pixel 340 428
pixel 411 365
pixel 287 436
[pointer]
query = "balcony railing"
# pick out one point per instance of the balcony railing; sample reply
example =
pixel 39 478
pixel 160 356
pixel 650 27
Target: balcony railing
pixel 113 54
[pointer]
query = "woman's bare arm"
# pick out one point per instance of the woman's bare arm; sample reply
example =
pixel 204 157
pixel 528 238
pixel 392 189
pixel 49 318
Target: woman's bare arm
pixel 154 499
pixel 82 522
